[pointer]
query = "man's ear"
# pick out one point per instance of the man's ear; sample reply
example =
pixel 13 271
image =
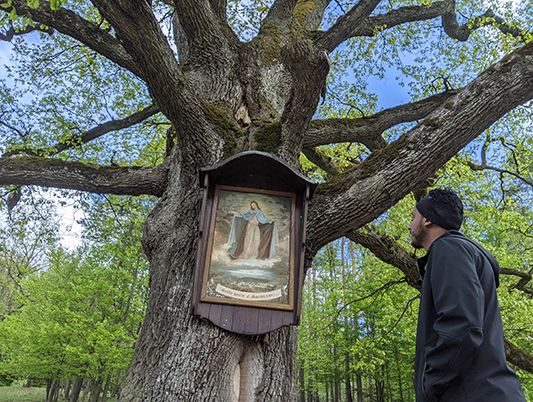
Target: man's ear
pixel 427 223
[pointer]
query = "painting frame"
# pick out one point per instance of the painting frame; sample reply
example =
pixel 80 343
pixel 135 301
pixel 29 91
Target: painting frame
pixel 261 281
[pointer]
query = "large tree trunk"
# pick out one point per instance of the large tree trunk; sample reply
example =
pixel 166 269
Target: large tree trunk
pixel 178 354
pixel 181 355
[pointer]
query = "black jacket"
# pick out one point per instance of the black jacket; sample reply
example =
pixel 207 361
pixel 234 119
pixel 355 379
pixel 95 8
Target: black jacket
pixel 459 345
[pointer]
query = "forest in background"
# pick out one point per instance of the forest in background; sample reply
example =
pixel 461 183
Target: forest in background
pixel 357 338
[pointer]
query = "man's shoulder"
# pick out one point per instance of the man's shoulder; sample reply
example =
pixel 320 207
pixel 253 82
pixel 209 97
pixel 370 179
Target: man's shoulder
pixel 455 242
pixel 452 238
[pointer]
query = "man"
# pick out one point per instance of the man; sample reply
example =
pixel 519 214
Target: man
pixel 460 354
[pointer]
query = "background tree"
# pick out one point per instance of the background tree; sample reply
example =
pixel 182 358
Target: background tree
pixel 101 71
pixel 78 319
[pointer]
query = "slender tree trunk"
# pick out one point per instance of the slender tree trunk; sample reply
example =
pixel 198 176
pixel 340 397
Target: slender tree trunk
pixel 380 391
pixel 400 386
pixel 48 388
pixel 380 387
pixel 96 389
pixel 301 389
pixel 87 389
pixel 359 384
pixel 52 390
pixel 315 390
pixel 68 385
pixel 347 378
pixel 310 385
pixel 387 372
pixel 348 383
pixel 337 382
pixel 116 387
pixel 106 388
pixel 28 382
pixel 76 389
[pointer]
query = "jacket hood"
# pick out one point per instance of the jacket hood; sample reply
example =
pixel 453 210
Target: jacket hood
pixel 461 237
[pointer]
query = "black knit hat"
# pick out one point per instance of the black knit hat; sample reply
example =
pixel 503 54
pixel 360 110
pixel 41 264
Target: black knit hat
pixel 443 208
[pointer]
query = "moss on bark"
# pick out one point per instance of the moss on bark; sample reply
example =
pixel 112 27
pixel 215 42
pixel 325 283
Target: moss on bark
pixel 369 167
pixel 268 43
pixel 268 138
pixel 223 126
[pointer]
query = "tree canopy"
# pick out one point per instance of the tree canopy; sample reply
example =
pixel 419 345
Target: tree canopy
pixel 132 98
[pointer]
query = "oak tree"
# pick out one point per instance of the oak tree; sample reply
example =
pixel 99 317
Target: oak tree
pixel 222 88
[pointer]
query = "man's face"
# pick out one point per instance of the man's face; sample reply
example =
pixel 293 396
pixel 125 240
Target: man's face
pixel 417 229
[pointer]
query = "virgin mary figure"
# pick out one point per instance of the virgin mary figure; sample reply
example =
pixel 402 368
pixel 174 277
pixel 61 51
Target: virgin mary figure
pixel 252 235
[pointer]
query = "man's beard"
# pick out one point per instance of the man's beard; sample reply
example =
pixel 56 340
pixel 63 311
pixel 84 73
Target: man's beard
pixel 418 237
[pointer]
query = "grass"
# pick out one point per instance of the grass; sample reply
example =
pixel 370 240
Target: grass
pixel 17 393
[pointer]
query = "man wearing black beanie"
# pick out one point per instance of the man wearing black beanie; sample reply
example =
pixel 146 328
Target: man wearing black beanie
pixel 460 356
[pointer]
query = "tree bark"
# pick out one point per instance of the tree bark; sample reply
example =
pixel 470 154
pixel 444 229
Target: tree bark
pixel 87 389
pixel 106 388
pixel 76 388
pixel 359 384
pixel 96 390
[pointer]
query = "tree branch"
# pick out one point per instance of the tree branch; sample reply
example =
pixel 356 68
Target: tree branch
pixel 388 251
pixel 89 135
pixel 11 32
pixel 518 357
pixel 71 24
pixel 340 31
pixel 368 130
pixel 346 28
pixel 521 285
pixel 79 176
pixel 141 35
pixel 476 167
pixel 323 161
pixel 463 32
pixel 356 197
pixel 384 288
pixel 308 67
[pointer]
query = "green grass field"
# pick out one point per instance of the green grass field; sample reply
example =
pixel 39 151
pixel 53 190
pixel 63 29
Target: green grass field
pixel 20 394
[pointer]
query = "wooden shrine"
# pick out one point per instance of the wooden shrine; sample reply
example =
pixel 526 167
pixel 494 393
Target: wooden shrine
pixel 249 268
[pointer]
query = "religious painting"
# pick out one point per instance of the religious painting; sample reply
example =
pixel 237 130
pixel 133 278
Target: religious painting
pixel 250 250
